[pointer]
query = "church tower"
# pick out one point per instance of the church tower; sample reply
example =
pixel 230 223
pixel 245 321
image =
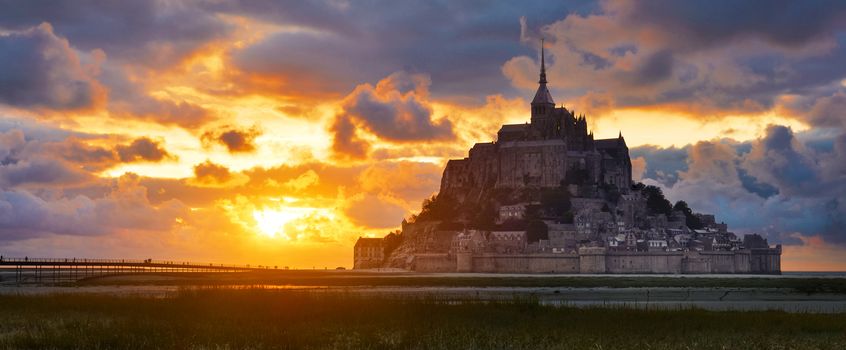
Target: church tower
pixel 542 105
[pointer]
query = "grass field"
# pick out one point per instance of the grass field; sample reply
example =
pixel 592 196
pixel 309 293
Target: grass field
pixel 271 319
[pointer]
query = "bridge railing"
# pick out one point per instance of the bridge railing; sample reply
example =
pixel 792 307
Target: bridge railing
pixel 140 262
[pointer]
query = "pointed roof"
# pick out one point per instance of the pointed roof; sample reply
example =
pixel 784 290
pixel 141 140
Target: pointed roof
pixel 542 96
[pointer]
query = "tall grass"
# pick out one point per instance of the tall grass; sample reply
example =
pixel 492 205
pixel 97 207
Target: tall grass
pixel 273 319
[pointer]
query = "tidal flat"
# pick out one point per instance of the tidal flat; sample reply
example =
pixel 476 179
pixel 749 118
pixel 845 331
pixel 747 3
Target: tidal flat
pixel 804 293
pixel 260 318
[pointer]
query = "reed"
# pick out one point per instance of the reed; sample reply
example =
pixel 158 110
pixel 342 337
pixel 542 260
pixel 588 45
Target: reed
pixel 220 318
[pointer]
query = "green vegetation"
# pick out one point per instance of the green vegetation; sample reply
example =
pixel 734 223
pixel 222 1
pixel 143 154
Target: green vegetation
pixel 536 230
pixel 437 208
pixel 691 220
pixel 268 319
pixel 656 203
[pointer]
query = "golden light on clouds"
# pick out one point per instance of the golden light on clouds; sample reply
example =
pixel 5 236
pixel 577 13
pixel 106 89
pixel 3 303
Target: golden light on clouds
pixel 665 128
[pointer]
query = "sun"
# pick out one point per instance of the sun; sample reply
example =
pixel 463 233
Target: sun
pixel 271 222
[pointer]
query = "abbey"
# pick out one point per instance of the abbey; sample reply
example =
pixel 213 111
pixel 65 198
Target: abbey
pixel 546 197
pixel 542 153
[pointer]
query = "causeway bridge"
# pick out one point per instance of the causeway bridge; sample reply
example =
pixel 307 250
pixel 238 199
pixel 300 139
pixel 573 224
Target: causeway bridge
pixel 35 270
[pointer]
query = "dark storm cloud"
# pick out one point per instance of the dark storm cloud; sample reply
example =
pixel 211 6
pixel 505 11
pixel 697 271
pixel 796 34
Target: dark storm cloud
pixel 662 164
pixel 150 33
pixel 712 57
pixel 462 45
pixel 781 160
pixel 825 107
pixel 657 67
pixel 699 24
pixel 235 140
pixel 40 69
pixel 776 184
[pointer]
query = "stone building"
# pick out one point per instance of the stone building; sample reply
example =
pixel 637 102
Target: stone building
pixel 368 253
pixel 597 223
pixel 554 144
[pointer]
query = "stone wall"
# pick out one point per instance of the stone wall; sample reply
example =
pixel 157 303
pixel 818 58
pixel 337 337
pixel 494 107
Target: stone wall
pixel 592 260
pixel 433 263
pixel 526 263
pixel 646 262
pixel 764 260
pixel 597 260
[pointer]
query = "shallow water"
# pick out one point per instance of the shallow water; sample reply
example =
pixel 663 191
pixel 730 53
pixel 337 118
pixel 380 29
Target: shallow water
pixel 717 299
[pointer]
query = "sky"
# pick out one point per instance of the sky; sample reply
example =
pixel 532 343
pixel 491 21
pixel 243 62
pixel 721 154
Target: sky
pixel 278 132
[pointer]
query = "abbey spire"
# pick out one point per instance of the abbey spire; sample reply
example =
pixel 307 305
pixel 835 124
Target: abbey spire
pixel 542 104
pixel 543 66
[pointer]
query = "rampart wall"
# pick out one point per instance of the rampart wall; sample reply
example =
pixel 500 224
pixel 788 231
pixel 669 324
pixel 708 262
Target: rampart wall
pixel 600 261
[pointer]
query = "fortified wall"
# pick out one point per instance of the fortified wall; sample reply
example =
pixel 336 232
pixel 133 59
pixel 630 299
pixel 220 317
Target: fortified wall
pixel 597 260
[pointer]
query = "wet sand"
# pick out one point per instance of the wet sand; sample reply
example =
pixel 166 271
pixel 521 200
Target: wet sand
pixel 660 298
pixel 711 292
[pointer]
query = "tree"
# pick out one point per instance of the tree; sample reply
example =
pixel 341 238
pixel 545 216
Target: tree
pixel 536 230
pixel 438 208
pixel 576 176
pixel 485 218
pixel 691 220
pixel 555 202
pixel 392 241
pixel 655 201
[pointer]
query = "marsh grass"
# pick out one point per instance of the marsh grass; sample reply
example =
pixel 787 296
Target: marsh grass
pixel 219 318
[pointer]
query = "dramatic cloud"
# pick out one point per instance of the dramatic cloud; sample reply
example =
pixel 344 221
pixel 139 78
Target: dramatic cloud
pixel 338 45
pixel 22 163
pixel 40 69
pixel 777 185
pixel 701 24
pixel 24 215
pixel 128 98
pixel 11 143
pixel 661 164
pixel 142 149
pixel 41 171
pixel 235 140
pixel 703 57
pixel 397 109
pixel 208 174
pixel 345 141
pixel 151 33
pixel 823 109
